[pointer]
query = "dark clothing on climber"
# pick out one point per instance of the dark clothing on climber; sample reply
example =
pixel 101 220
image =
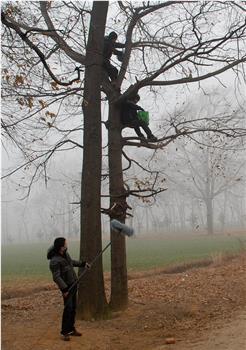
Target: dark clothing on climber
pixel 109 49
pixel 130 119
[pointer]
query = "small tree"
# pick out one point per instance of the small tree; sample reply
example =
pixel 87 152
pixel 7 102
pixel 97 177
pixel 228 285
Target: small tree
pixel 209 164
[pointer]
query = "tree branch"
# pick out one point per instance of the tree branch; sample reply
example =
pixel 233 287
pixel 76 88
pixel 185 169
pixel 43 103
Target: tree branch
pixel 23 36
pixel 137 15
pixel 57 38
pixel 195 79
pixel 48 154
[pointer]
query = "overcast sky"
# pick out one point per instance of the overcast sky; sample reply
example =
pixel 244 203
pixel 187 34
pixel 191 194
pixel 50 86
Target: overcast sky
pixel 28 215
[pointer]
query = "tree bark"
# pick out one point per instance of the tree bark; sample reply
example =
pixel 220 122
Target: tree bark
pixel 92 300
pixel 119 289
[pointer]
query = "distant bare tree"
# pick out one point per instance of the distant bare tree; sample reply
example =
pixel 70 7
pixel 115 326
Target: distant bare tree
pixel 206 170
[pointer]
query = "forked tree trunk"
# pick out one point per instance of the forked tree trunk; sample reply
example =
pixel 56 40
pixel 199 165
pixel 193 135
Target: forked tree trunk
pixel 92 301
pixel 119 290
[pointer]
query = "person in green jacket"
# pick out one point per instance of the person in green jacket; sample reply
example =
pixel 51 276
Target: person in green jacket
pixel 134 116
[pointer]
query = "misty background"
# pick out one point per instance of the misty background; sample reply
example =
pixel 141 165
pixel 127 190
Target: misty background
pixel 51 209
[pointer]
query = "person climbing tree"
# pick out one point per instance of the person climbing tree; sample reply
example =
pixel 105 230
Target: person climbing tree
pixel 109 49
pixel 134 116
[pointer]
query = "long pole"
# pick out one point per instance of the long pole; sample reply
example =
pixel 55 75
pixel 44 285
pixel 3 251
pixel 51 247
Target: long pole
pixel 92 263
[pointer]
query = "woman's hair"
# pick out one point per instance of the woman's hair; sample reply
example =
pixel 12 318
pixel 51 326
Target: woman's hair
pixel 58 243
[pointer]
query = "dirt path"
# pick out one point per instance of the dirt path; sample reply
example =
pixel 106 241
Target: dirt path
pixel 230 335
pixel 202 308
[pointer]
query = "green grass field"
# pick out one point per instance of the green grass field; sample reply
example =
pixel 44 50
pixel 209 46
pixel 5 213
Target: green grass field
pixel 29 260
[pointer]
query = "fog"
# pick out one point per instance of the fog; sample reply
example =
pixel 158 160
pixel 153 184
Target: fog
pixel 49 206
pixel 51 209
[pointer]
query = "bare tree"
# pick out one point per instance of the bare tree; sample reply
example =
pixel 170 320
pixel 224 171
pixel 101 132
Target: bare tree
pixel 91 291
pixel 181 49
pixel 206 170
pixel 92 295
pixel 167 43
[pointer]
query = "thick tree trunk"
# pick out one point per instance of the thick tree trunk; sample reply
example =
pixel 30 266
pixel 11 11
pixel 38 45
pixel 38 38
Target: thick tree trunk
pixel 119 290
pixel 92 301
